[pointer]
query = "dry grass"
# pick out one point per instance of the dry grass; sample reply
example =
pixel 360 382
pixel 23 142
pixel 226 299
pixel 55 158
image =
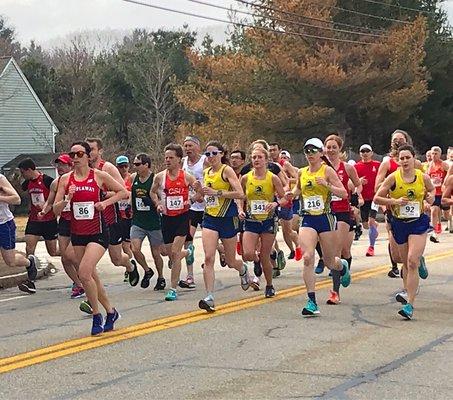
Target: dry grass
pixel 21 222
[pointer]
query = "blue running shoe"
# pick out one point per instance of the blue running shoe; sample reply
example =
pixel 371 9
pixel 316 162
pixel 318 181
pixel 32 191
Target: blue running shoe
pixel 110 320
pixel 32 270
pixel 190 255
pixel 407 311
pixel 97 328
pixel 346 278
pixel 311 309
pixel 422 270
pixel 320 267
pixel 171 295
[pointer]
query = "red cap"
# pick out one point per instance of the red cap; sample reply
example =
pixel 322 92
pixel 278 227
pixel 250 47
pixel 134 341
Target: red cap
pixel 64 158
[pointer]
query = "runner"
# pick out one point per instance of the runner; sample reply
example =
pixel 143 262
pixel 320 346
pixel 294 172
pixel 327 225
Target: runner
pixel 193 163
pixel 316 183
pixel 429 158
pixel 82 190
pixel 11 257
pixel 112 219
pixel 341 208
pixel 437 171
pixel 237 161
pixel 260 187
pixel 170 194
pixel 220 221
pixel 68 258
pixel 124 206
pixel 404 192
pixel 367 170
pixel 37 185
pixel 146 221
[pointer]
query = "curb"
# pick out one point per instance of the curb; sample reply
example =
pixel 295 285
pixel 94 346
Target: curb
pixel 13 280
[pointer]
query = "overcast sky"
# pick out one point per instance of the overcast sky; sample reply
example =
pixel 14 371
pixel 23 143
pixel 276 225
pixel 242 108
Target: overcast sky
pixel 44 20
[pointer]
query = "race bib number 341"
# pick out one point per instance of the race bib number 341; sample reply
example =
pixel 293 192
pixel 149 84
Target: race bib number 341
pixel 258 207
pixel 83 210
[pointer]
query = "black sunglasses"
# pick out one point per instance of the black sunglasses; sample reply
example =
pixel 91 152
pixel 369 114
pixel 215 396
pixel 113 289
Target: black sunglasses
pixel 365 151
pixel 137 164
pixel 311 150
pixel 212 153
pixel 79 154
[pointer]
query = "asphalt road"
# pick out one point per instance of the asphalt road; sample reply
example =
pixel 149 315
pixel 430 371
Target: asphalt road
pixel 250 348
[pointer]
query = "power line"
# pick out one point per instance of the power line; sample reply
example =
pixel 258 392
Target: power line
pixel 328 28
pixel 241 24
pixel 397 6
pixel 264 7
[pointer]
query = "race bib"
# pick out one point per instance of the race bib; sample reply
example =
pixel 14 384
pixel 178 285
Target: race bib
pixel 175 203
pixel 410 210
pixel 67 207
pixel 123 205
pixel 335 198
pixel 83 210
pixel 374 207
pixel 140 205
pixel 37 199
pixel 313 203
pixel 258 207
pixel 211 201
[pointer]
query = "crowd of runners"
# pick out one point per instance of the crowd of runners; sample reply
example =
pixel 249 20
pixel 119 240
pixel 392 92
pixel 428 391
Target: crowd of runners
pixel 238 200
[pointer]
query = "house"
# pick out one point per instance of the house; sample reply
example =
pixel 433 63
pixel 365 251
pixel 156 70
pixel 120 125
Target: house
pixel 26 129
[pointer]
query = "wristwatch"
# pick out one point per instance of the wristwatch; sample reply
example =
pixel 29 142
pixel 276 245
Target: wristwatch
pixel 219 193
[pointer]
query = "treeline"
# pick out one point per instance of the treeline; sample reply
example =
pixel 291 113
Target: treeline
pixel 154 87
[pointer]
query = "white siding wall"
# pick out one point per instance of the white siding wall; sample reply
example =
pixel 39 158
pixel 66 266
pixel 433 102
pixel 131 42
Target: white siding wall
pixel 24 128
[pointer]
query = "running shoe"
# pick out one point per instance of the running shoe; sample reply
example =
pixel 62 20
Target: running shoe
pixel 276 273
pixel 273 255
pixel 255 283
pixel 281 261
pixel 96 328
pixel 85 307
pixel 334 298
pixel 394 273
pixel 207 304
pixel 77 292
pixel 146 278
pixel 401 297
pixel 269 291
pixel 299 254
pixel 126 276
pixel 320 267
pixel 358 233
pixel 169 264
pixel 257 268
pixel 370 251
pixel 110 319
pixel 190 254
pixel 422 270
pixel 346 277
pixel 245 278
pixel 171 295
pixel 160 284
pixel 134 276
pixel 311 309
pixel 27 287
pixel 189 283
pixel 292 255
pixel 434 239
pixel 32 270
pixel 407 311
pixel 223 263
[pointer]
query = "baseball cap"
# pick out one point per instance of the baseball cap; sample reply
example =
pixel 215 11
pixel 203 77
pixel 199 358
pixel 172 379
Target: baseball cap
pixel 315 142
pixel 122 160
pixel 365 147
pixel 285 153
pixel 63 158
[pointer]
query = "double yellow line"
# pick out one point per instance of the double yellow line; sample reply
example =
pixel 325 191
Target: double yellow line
pixel 87 343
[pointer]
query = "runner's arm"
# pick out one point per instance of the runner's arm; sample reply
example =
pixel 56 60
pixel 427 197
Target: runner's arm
pixel 50 199
pixel 382 172
pixel 105 179
pixel 8 194
pixel 154 192
pixel 280 191
pixel 232 179
pixel 354 178
pixel 334 184
pixel 381 197
pixel 430 189
pixel 447 193
pixel 60 202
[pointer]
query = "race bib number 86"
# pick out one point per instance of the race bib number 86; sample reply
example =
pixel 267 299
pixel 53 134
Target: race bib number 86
pixel 83 210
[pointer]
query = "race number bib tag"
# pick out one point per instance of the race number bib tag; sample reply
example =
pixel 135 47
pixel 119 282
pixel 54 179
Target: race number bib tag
pixel 374 207
pixel 37 199
pixel 335 198
pixel 67 207
pixel 410 210
pixel 123 205
pixel 175 203
pixel 211 201
pixel 314 203
pixel 140 205
pixel 83 210
pixel 258 207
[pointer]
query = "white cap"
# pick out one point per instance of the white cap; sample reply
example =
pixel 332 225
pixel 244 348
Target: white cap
pixel 285 153
pixel 365 147
pixel 352 162
pixel 315 142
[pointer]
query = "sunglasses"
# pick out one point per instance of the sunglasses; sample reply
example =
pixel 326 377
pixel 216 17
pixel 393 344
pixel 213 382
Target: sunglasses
pixel 137 164
pixel 311 150
pixel 79 154
pixel 212 153
pixel 365 151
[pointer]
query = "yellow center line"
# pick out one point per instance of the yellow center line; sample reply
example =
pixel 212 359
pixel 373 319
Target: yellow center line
pixel 74 346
